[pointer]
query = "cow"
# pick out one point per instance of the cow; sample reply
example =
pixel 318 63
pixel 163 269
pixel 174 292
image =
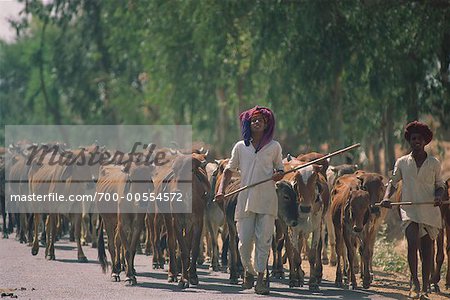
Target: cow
pixel 130 216
pixel 66 177
pixel 333 173
pixel 184 228
pixel 373 184
pixel 351 216
pixel 214 221
pixel 287 217
pixel 313 195
pixel 112 180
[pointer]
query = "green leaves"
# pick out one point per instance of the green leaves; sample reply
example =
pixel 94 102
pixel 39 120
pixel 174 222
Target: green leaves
pixel 328 68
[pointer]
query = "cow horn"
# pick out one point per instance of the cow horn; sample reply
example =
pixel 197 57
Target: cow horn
pixel 289 157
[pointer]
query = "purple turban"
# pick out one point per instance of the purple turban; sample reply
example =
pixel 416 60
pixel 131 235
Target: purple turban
pixel 269 119
pixel 420 128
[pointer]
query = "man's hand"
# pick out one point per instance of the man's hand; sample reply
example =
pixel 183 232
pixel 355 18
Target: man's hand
pixel 386 203
pixel 278 176
pixel 219 197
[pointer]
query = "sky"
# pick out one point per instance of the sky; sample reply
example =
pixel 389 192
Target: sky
pixel 8 9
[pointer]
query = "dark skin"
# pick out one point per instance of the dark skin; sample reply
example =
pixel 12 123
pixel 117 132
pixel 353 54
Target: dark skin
pixel 424 244
pixel 257 127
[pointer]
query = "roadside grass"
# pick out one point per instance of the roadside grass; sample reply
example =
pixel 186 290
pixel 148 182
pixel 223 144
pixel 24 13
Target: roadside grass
pixel 386 256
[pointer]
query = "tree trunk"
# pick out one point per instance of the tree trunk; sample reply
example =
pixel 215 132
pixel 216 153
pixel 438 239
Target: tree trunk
pixel 388 139
pixel 336 120
pixel 221 125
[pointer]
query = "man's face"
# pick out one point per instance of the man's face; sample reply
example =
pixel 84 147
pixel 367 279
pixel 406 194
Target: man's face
pixel 417 142
pixel 257 124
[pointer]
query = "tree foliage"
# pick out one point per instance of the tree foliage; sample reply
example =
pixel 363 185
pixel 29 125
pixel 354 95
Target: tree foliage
pixel 335 72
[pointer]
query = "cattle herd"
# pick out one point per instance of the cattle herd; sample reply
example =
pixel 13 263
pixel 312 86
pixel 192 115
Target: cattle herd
pixel 326 214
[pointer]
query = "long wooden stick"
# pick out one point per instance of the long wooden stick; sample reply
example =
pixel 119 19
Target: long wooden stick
pixel 297 168
pixel 411 203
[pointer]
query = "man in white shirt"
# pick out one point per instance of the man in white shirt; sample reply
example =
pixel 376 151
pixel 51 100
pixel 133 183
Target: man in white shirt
pixel 422 182
pixel 256 157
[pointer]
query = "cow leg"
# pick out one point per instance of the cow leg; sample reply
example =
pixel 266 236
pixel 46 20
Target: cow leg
pixel 338 280
pixel 195 248
pixel 85 235
pixel 51 236
pixel 25 228
pixel 158 256
pixel 201 255
pixel 77 233
pixel 350 245
pixel 325 243
pixel 148 235
pixel 225 246
pixel 234 252
pixel 182 242
pixel 314 257
pixel 331 238
pixel 277 247
pixel 35 247
pixel 292 256
pixel 366 256
pixel 214 248
pixel 300 273
pixel 95 228
pixel 171 241
pixel 109 221
pixel 122 247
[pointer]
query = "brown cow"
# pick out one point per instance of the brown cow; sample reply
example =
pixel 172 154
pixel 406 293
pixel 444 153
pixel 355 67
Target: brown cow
pixel 112 180
pixel 66 177
pixel 333 173
pixel 313 195
pixel 351 217
pixel 373 184
pixel 186 227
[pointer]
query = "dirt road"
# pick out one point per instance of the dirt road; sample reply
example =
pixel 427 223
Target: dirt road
pixel 33 277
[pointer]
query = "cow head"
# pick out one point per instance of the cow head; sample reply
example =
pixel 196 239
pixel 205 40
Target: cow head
pixel 373 184
pixel 287 203
pixel 357 210
pixel 305 184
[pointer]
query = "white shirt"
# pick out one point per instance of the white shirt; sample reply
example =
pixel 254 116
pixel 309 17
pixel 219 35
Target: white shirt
pixel 255 167
pixel 418 186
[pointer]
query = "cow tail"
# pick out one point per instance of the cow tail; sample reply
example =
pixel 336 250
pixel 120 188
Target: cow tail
pixel 101 249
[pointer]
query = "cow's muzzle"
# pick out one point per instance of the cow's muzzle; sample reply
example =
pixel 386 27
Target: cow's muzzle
pixel 357 229
pixel 305 209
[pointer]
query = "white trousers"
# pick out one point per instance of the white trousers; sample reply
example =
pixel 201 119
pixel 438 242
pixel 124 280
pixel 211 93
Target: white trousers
pixel 255 229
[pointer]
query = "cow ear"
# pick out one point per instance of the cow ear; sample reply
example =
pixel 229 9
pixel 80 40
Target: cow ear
pixel 317 168
pixel 361 180
pixel 319 187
